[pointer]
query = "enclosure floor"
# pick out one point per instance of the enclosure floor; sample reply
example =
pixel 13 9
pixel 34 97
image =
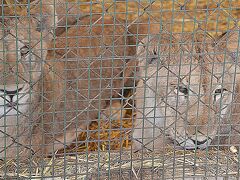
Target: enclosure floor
pixel 128 165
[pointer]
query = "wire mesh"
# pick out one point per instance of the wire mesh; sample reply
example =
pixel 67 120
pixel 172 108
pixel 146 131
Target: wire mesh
pixel 119 89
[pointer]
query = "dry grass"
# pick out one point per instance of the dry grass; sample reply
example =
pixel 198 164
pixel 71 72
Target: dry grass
pixel 115 135
pixel 105 165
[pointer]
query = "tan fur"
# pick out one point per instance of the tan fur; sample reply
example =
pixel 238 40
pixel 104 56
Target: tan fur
pixel 228 44
pixel 65 90
pixel 165 114
pixel 144 27
pixel 68 13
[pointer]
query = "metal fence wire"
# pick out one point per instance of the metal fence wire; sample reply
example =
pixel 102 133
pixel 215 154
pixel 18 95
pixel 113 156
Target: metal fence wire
pixel 119 89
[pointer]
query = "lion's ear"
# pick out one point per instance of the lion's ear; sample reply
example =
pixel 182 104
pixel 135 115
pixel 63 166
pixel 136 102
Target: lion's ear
pixel 205 44
pixel 44 17
pixel 156 48
pixel 204 41
pixel 147 51
pixel 230 39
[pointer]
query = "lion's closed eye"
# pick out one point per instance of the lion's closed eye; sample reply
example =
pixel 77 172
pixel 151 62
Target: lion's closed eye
pixel 24 51
pixel 181 90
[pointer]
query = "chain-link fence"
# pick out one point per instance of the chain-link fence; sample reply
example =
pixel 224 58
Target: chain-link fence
pixel 119 89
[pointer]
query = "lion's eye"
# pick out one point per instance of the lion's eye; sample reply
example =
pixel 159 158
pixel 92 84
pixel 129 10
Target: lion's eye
pixel 183 90
pixel 220 91
pixel 153 59
pixel 24 50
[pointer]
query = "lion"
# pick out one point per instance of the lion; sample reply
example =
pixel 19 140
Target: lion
pixel 186 92
pixel 51 87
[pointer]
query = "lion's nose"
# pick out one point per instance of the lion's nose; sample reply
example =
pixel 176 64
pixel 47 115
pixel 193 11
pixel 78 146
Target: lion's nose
pixel 11 94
